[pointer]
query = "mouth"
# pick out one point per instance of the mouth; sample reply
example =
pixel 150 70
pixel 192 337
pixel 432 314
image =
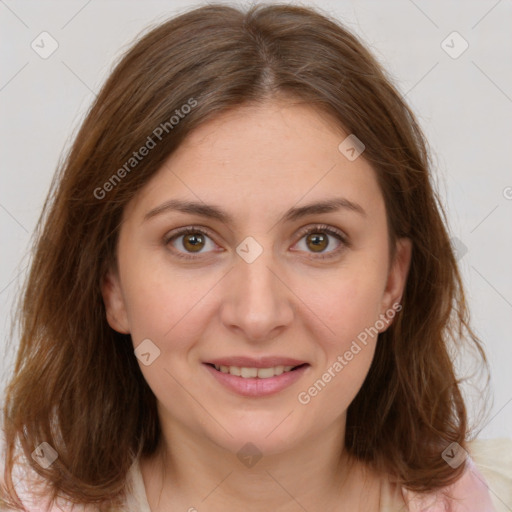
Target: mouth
pixel 256 378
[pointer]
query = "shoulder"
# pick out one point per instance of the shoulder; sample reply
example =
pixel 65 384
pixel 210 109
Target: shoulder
pixel 31 489
pixel 485 486
pixel 136 493
pixel 493 460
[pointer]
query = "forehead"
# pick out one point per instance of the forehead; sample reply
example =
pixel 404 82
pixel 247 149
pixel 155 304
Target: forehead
pixel 253 157
pixel 276 131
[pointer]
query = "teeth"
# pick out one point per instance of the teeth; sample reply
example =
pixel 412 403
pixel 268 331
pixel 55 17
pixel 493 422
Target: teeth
pixel 248 373
pixel 251 373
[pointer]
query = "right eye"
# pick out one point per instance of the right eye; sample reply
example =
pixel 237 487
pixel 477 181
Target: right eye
pixel 193 240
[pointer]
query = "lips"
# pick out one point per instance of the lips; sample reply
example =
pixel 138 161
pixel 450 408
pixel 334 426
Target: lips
pixel 256 362
pixel 256 377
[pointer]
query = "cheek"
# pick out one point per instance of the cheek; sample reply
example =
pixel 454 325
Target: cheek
pixel 353 317
pixel 351 311
pixel 155 301
pixel 349 305
pixel 163 313
pixel 347 301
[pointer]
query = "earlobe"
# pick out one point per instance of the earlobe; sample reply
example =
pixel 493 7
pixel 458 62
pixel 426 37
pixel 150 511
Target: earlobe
pixel 114 302
pixel 397 276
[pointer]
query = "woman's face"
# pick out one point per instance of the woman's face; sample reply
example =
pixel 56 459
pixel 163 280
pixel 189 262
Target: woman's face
pixel 264 281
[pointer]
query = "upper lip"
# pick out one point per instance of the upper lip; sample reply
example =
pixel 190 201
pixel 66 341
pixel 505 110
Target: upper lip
pixel 256 362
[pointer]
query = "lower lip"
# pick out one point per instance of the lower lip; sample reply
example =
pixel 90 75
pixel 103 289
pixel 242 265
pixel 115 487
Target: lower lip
pixel 254 386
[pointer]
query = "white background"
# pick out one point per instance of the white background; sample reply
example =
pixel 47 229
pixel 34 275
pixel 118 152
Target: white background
pixel 464 105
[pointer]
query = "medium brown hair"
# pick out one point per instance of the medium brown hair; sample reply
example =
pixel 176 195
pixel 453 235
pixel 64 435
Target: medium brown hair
pixel 77 384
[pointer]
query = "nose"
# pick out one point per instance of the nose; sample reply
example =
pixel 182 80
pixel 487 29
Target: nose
pixel 257 301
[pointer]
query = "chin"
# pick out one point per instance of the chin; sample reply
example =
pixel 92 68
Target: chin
pixel 266 436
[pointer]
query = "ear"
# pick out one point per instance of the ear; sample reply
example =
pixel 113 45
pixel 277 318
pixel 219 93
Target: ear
pixel 397 276
pixel 114 301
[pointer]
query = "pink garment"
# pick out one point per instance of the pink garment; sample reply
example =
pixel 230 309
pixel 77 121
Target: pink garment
pixel 468 494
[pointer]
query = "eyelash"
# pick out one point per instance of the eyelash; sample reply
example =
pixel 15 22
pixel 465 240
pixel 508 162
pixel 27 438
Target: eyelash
pixel 319 228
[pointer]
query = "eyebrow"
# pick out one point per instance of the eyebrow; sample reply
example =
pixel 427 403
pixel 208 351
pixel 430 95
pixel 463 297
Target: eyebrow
pixel 215 212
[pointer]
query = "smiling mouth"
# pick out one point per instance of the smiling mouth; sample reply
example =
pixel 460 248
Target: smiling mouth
pixel 255 373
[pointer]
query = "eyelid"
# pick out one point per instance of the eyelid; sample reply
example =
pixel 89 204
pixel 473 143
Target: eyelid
pixel 188 229
pixel 323 227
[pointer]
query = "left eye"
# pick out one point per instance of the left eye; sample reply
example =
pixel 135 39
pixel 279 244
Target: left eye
pixel 316 238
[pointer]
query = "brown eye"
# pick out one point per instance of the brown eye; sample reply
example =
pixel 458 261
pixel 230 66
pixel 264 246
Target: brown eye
pixel 319 242
pixel 193 242
pixel 189 242
pixel 323 240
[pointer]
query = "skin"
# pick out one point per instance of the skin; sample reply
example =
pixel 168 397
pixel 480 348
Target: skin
pixel 256 162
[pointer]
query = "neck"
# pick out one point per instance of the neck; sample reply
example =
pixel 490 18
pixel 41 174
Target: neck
pixel 198 474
